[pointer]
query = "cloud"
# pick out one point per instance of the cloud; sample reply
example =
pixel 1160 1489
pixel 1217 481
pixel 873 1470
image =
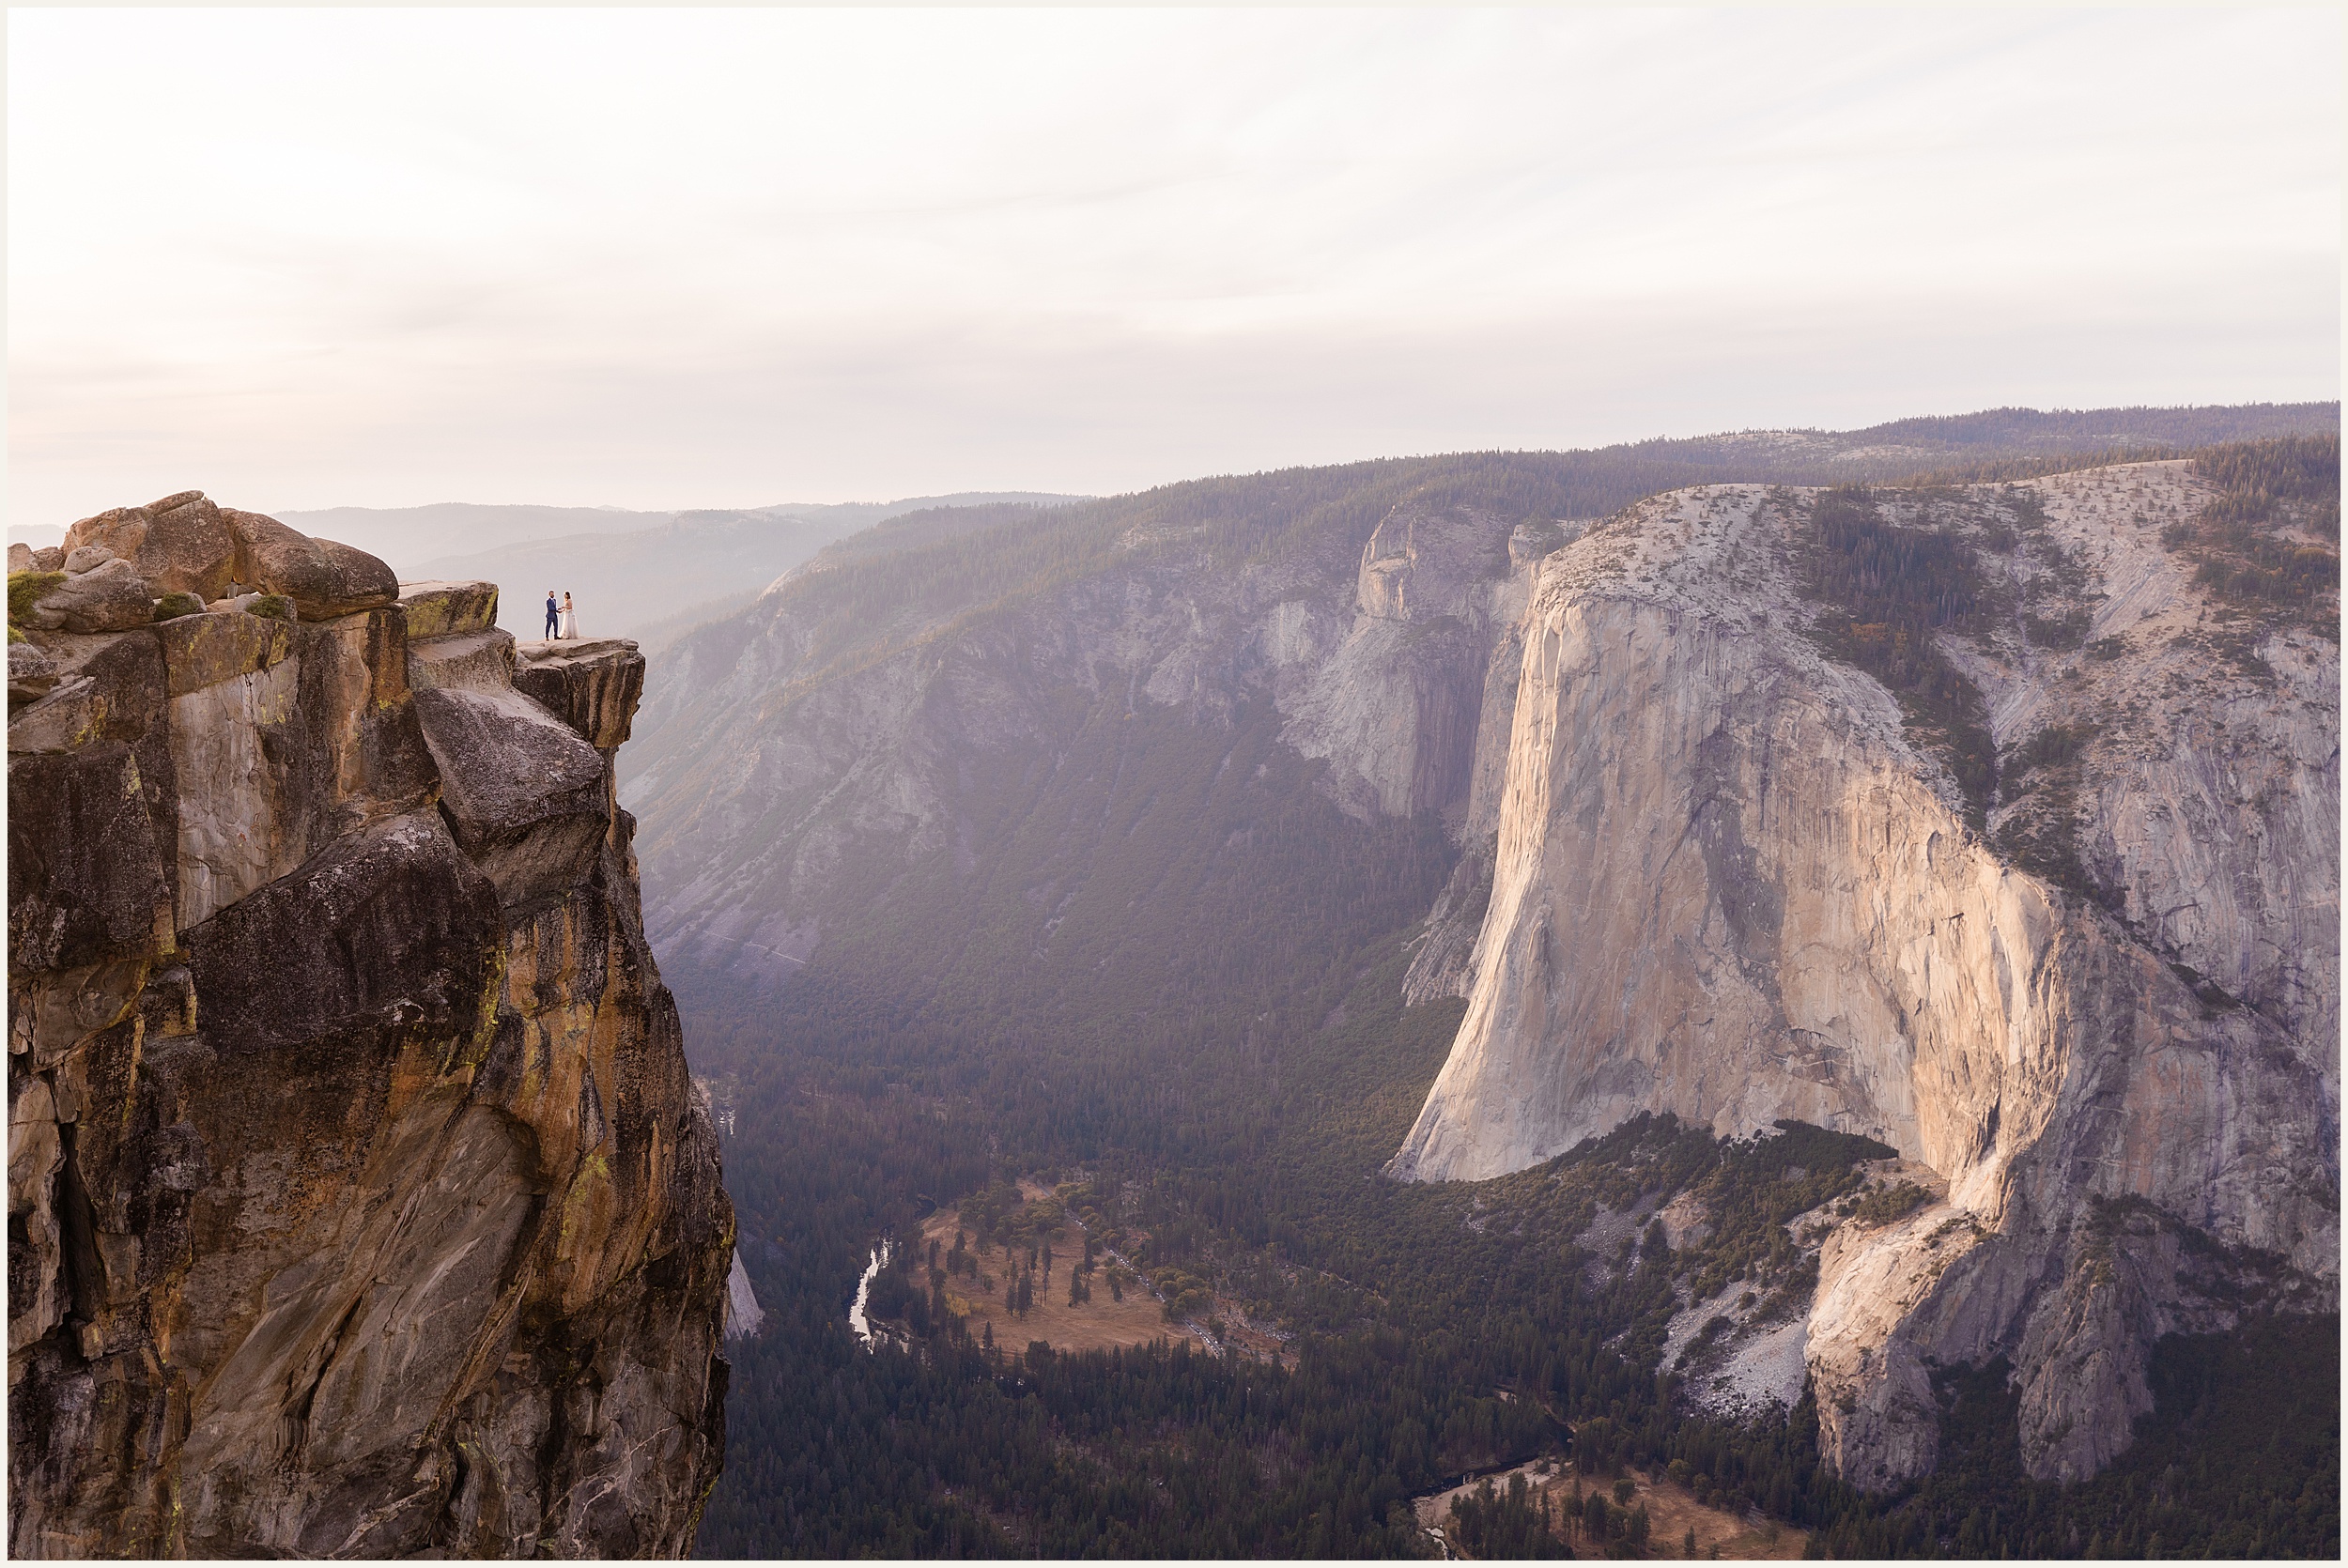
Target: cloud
pixel 668 258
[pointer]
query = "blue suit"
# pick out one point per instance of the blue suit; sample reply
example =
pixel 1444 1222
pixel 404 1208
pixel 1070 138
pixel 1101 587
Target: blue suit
pixel 551 614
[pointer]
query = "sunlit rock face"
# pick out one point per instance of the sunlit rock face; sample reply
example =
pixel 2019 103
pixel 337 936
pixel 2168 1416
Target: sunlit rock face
pixel 360 1202
pixel 1728 881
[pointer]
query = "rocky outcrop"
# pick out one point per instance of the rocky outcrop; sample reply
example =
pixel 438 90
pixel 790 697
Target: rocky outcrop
pixel 1733 882
pixel 322 577
pixel 1444 961
pixel 101 592
pixel 179 544
pixel 1395 706
pixel 360 1202
pixel 592 685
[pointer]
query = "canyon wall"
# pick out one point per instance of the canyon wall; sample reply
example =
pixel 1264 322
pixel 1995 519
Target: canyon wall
pixel 360 1203
pixel 788 797
pixel 1732 882
pixel 1704 861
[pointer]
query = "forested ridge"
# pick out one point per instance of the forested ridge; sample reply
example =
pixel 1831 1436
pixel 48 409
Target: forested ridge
pixel 1167 981
pixel 929 576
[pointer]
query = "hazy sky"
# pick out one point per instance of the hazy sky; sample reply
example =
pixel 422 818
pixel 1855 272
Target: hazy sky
pixel 666 258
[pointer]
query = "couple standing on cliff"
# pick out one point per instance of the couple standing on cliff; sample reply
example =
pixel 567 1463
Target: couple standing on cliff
pixel 559 623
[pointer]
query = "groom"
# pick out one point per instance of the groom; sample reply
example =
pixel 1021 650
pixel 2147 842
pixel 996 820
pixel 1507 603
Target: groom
pixel 550 621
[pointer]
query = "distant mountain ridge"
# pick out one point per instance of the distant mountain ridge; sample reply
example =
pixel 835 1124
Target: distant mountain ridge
pixel 414 533
pixel 928 569
pixel 642 575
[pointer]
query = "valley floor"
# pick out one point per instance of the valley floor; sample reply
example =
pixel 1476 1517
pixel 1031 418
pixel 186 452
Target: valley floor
pixel 1673 1511
pixel 1100 1323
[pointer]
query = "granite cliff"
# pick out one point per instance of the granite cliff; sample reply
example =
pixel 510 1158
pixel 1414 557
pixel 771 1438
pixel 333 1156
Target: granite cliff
pixel 2033 876
pixel 360 1202
pixel 2096 1008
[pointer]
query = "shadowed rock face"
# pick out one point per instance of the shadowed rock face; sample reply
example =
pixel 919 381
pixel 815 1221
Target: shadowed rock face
pixel 1377 655
pixel 360 1202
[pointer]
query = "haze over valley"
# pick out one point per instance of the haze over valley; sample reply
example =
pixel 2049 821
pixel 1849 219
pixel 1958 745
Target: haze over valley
pixel 1588 887
pixel 1518 783
pixel 1542 839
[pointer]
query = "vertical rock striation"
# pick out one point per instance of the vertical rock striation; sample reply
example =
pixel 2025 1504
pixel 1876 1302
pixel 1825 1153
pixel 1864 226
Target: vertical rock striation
pixel 360 1203
pixel 1735 883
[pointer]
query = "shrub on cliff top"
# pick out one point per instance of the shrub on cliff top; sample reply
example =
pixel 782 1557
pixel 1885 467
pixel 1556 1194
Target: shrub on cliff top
pixel 2241 545
pixel 27 589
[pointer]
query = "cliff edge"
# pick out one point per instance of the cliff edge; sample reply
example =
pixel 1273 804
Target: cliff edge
pixel 359 1201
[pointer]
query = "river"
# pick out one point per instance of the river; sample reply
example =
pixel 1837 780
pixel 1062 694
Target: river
pixel 863 1287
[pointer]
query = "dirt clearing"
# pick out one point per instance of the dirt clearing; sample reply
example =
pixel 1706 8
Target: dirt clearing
pixel 1671 1511
pixel 1101 1324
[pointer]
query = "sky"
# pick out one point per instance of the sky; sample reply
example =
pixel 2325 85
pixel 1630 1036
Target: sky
pixel 664 258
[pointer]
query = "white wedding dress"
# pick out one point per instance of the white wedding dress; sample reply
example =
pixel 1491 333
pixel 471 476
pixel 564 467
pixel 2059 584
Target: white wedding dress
pixel 565 627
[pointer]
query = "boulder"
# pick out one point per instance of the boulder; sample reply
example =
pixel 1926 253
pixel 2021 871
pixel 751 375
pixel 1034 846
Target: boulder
pixel 121 528
pixel 87 559
pixel 203 650
pixel 127 671
pixel 25 592
pixel 181 544
pixel 527 800
pixel 110 597
pixel 592 685
pixel 32 672
pixel 441 609
pixel 387 928
pixel 85 881
pixel 68 718
pixel 322 577
pixel 468 661
pixel 49 558
pixel 20 558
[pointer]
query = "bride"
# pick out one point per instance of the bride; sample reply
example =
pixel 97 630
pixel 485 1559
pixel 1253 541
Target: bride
pixel 566 627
